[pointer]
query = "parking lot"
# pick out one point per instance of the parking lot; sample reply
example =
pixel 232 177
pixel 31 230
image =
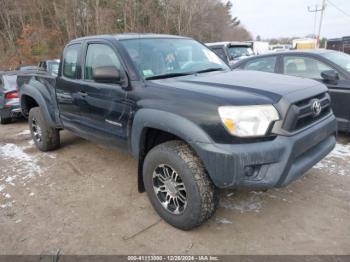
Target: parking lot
pixel 83 199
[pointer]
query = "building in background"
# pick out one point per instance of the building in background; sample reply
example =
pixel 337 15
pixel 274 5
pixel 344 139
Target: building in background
pixel 339 44
pixel 304 43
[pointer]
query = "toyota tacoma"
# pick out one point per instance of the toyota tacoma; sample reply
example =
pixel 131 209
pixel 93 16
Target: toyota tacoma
pixel 194 125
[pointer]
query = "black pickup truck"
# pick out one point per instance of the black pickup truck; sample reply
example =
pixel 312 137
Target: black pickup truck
pixel 194 125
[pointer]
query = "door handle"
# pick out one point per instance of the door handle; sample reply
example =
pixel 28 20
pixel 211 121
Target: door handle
pixel 83 93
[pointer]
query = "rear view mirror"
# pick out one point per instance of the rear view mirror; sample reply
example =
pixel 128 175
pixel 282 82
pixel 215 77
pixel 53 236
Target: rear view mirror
pixel 106 74
pixel 330 75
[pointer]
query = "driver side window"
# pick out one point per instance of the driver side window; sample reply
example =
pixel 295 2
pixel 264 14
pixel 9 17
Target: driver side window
pixel 99 55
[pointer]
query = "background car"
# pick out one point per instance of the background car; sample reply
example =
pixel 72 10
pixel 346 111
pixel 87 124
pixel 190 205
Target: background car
pixel 327 66
pixel 27 68
pixel 49 66
pixel 231 52
pixel 9 101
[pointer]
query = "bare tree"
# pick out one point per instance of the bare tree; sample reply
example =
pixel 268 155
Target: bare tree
pixel 31 30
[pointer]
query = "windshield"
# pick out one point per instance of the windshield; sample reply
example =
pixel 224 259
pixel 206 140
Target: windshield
pixel 171 57
pixel 341 59
pixel 237 51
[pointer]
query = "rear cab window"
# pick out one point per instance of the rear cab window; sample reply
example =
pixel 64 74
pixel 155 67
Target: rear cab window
pixel 220 52
pixel 71 61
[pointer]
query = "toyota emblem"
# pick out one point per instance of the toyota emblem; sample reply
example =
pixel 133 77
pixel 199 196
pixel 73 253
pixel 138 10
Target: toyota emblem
pixel 316 108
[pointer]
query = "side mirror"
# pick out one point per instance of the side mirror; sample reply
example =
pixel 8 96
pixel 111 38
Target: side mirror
pixel 330 75
pixel 106 74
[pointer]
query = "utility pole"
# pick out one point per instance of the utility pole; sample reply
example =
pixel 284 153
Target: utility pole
pixel 315 10
pixel 321 20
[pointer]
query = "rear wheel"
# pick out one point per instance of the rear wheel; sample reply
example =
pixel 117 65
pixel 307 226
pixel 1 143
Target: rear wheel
pixel 178 185
pixel 45 137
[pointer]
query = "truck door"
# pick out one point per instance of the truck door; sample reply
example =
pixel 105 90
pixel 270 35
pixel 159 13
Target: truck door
pixel 68 87
pixel 104 105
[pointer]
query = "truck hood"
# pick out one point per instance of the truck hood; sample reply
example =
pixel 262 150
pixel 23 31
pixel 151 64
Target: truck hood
pixel 244 87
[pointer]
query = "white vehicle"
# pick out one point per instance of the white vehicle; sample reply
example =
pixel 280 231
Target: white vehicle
pixel 260 47
pixel 279 48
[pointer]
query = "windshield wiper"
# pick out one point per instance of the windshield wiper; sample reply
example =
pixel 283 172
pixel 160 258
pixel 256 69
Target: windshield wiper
pixel 210 70
pixel 184 74
pixel 167 76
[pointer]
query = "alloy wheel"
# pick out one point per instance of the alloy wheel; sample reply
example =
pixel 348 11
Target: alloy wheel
pixel 37 133
pixel 169 189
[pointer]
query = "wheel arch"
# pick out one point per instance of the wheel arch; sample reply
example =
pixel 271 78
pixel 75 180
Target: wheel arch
pixel 31 97
pixel 152 127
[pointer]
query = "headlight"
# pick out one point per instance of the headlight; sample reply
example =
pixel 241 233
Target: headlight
pixel 248 121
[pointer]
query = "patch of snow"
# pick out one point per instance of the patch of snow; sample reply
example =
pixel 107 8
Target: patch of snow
pixel 329 163
pixel 10 180
pixel 31 194
pixel 251 204
pixel 222 221
pixel 24 132
pixel 18 168
pixel 22 164
pixel 9 204
pixel 230 194
pixel 7 195
pixel 340 151
pixel 50 155
pixel 18 221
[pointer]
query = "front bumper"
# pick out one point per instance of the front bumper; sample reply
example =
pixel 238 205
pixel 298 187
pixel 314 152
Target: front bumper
pixel 268 164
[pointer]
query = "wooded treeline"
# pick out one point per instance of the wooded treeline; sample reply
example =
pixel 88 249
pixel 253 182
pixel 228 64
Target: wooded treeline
pixel 31 30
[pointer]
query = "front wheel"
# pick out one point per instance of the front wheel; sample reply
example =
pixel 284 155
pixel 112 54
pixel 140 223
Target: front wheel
pixel 178 185
pixel 45 137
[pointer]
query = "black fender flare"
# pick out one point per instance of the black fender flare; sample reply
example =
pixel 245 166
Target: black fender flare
pixel 168 122
pixel 165 121
pixel 34 93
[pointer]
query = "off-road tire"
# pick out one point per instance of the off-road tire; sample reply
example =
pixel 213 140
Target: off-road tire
pixel 202 196
pixel 50 137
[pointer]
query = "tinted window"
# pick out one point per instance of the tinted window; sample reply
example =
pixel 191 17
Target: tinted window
pixel 100 55
pixel 238 51
pixel 265 64
pixel 304 67
pixel 70 61
pixel 220 52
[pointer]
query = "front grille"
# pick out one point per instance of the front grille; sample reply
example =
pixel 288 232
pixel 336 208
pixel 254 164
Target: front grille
pixel 300 114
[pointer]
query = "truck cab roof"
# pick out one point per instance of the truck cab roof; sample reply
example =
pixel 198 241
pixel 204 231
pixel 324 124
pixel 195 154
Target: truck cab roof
pixel 128 36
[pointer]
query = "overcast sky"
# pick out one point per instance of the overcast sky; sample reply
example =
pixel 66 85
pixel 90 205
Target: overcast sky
pixel 285 18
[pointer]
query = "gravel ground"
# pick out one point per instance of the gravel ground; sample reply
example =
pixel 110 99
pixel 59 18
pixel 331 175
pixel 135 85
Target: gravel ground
pixel 83 199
